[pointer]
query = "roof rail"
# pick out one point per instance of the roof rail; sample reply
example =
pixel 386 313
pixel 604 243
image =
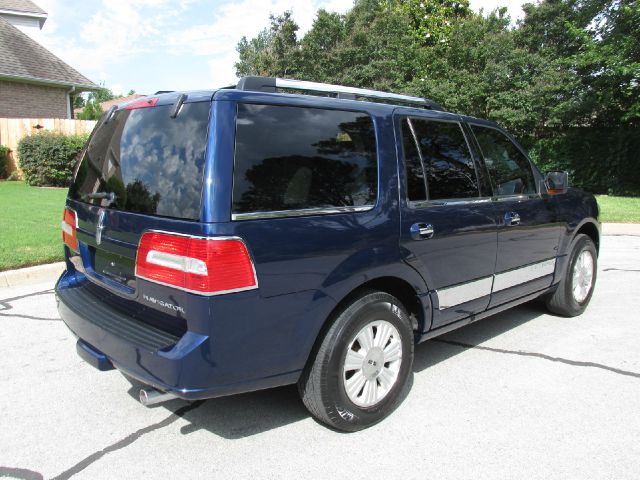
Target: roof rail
pixel 271 84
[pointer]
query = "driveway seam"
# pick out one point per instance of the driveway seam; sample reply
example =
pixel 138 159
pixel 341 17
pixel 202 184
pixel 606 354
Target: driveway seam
pixel 126 441
pixel 575 363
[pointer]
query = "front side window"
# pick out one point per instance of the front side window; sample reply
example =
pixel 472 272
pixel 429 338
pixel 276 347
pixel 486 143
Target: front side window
pixel 292 158
pixel 509 169
pixel 447 162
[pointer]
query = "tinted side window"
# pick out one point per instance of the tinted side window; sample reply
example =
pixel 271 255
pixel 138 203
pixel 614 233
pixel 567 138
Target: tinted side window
pixel 291 158
pixel 153 163
pixel 447 160
pixel 508 168
pixel 413 165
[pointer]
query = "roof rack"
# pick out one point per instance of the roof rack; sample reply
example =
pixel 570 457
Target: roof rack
pixel 271 84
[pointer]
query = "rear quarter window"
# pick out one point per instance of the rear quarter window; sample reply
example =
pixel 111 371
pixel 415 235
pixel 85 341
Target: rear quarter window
pixel 294 158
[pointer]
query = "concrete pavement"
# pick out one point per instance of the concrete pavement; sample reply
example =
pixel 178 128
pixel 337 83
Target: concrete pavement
pixel 520 395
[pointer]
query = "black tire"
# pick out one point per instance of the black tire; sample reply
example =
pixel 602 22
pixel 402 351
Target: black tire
pixel 562 301
pixel 322 386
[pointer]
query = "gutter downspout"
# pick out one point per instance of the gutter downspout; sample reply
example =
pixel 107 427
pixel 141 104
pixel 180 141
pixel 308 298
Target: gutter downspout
pixel 69 106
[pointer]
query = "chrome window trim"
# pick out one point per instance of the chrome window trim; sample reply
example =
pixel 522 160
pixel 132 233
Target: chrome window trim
pixel 300 212
pixel 444 203
pixel 507 198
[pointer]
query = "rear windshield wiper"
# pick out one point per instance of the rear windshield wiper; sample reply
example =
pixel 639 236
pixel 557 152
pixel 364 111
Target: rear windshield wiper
pixel 110 197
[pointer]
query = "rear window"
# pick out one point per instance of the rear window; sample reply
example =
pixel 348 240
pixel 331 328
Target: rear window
pixel 293 158
pixel 151 162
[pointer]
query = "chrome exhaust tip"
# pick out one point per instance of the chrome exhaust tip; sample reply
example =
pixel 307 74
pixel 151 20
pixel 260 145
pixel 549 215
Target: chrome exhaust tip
pixel 151 396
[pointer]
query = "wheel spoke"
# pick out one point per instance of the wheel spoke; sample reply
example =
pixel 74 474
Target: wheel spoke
pixel 393 351
pixel 382 335
pixel 353 361
pixel 386 378
pixel 365 338
pixel 370 392
pixel 354 385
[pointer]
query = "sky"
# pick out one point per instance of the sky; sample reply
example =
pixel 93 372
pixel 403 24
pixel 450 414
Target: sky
pixel 151 45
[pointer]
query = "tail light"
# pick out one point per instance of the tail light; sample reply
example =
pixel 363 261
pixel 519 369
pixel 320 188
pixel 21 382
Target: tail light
pixel 208 266
pixel 69 225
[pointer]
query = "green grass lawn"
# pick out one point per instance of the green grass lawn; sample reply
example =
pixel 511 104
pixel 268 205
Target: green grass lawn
pixel 30 225
pixel 619 209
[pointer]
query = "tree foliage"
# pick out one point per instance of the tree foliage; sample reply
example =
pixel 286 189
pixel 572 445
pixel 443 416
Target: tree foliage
pixel 565 80
pixel 92 109
pixel 47 158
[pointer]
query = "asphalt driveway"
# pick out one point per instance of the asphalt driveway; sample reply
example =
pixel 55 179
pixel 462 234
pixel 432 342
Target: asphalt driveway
pixel 521 395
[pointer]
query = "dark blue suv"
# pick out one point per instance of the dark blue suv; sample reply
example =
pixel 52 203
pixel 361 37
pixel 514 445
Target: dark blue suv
pixel 281 231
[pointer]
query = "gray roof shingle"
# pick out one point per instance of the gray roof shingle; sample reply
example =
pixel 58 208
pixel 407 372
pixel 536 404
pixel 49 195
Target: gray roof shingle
pixel 25 6
pixel 23 58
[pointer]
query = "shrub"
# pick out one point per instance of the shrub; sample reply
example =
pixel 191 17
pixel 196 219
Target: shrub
pixel 47 158
pixel 4 161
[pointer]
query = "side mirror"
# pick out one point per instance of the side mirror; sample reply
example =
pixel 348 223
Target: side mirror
pixel 556 182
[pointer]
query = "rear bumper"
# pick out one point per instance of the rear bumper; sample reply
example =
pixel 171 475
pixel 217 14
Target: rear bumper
pixel 181 366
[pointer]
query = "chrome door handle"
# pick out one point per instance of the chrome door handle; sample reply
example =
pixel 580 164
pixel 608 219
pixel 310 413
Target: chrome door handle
pixel 511 218
pixel 421 231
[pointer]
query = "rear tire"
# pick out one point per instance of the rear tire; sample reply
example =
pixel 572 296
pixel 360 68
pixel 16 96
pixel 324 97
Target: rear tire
pixel 360 370
pixel 576 287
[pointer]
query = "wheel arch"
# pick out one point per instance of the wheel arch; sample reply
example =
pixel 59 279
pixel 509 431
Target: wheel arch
pixel 417 305
pixel 590 228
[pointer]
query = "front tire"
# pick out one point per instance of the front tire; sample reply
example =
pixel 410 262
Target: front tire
pixel 576 287
pixel 359 373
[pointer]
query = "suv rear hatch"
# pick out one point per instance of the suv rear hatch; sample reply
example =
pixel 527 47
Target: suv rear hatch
pixel 142 170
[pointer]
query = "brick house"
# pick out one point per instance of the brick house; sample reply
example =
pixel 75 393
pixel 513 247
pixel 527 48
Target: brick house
pixel 34 83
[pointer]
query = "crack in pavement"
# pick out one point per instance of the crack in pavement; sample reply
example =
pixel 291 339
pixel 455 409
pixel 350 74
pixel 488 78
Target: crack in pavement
pixel 125 442
pixel 29 317
pixel 5 304
pixel 543 356
pixel 20 297
pixel 619 270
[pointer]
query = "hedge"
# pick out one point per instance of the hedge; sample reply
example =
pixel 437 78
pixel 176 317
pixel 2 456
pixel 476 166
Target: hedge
pixel 4 161
pixel 47 158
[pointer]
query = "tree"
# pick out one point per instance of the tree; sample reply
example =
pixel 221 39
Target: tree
pixel 273 51
pixel 92 109
pixel 433 20
pixel 102 95
pixel 565 80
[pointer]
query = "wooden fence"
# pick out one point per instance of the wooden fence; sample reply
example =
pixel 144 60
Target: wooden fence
pixel 13 129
